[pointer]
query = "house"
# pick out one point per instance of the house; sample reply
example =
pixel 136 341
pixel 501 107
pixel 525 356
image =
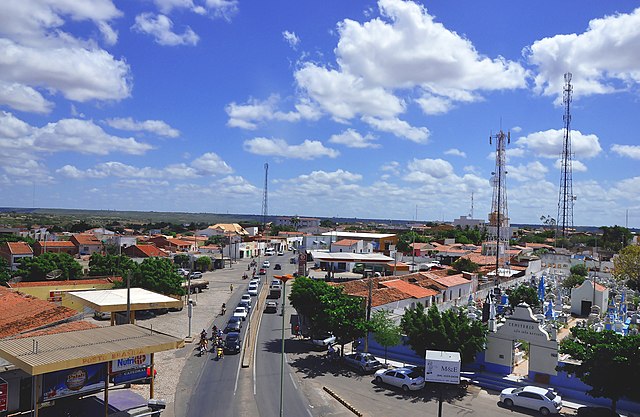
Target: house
pixel 583 297
pixel 381 242
pixel 86 244
pixel 351 246
pixel 144 251
pixel 172 244
pixel 221 229
pixel 421 248
pixel 54 246
pixel 14 252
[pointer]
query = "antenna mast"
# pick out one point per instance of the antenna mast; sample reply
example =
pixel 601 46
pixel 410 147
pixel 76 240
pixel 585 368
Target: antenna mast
pixel 471 212
pixel 566 197
pixel 264 197
pixel 499 216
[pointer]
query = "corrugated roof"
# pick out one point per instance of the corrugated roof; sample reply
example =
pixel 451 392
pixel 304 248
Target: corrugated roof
pixel 42 354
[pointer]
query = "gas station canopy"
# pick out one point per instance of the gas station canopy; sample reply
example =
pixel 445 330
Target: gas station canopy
pixel 116 300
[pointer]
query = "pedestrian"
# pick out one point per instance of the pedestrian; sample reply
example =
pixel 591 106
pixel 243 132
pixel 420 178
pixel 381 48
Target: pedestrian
pixel 296 330
pixel 230 287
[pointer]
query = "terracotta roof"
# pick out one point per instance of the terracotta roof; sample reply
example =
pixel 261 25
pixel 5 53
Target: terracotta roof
pixel 70 283
pixel 346 242
pixel 151 250
pixel 56 244
pixel 480 259
pixel 538 245
pixel 86 239
pixel 23 313
pixel 382 296
pixel 179 242
pixel 19 248
pixel 414 291
pixel 452 280
pixel 62 328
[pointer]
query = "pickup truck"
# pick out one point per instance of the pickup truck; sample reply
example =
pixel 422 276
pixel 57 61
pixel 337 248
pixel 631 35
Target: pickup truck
pixel 364 362
pixel 197 285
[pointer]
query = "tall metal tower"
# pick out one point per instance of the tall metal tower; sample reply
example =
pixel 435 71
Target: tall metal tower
pixel 265 197
pixel 499 216
pixel 566 197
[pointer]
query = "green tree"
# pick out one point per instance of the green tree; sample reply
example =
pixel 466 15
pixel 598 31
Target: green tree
pixel 106 265
pixel 306 297
pixel 579 269
pixel 203 263
pixel 158 275
pixel 37 268
pixel 465 265
pixel 385 331
pixel 523 293
pixel 5 272
pixel 572 281
pixel 181 260
pixel 450 330
pixel 606 361
pixel 626 266
pixel 615 237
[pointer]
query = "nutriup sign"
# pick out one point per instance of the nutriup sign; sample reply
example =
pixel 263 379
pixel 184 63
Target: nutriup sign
pixel 442 367
pixel 134 362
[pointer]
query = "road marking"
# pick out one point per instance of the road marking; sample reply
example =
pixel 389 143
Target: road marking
pixel 235 388
pixel 293 381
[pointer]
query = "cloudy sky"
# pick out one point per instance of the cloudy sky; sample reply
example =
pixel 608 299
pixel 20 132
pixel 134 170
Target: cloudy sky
pixel 361 108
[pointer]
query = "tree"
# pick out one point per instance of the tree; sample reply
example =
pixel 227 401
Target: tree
pixel 450 330
pixel 607 362
pixel 579 269
pixel 615 237
pixel 524 293
pixel 5 273
pixel 105 265
pixel 385 331
pixel 158 275
pixel 203 263
pixel 181 260
pixel 465 265
pixel 37 268
pixel 626 266
pixel 572 281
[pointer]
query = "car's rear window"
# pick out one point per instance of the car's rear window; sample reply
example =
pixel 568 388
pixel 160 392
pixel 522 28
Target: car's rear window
pixel 414 374
pixel 550 395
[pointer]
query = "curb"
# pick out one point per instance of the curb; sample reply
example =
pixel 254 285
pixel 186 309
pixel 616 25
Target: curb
pixel 343 402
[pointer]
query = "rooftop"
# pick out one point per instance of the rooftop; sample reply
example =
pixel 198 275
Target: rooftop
pixel 116 300
pixel 359 235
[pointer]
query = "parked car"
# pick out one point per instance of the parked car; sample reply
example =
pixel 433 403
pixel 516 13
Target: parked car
pixel 271 307
pixel 535 398
pixel 183 272
pixel 240 312
pixel 101 315
pixel 232 343
pixel 253 289
pixel 277 266
pixel 323 340
pixel 196 275
pixel 262 271
pixel 266 264
pixel 364 362
pixel 233 325
pixel 407 379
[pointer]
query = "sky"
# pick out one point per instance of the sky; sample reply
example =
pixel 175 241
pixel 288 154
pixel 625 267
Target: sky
pixel 361 109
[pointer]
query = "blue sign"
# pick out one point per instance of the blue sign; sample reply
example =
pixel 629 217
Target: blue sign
pixel 130 375
pixel 68 382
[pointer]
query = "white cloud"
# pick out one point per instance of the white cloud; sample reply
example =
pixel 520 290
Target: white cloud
pixel 24 98
pixel 353 139
pixel 309 149
pixel 166 6
pixel 549 144
pixel 428 170
pixel 211 164
pixel 236 185
pixel 344 96
pixel 292 39
pixel 576 166
pixel 399 128
pixel 247 116
pixel 630 151
pixel 603 59
pixel 455 152
pixel 154 126
pixel 433 105
pixel 532 171
pixel 222 8
pixel 160 27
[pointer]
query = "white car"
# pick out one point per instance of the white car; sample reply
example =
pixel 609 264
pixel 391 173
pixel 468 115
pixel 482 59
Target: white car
pixel 323 340
pixel 240 312
pixel 407 379
pixel 281 253
pixel 253 289
pixel 266 264
pixel 246 297
pixel 535 398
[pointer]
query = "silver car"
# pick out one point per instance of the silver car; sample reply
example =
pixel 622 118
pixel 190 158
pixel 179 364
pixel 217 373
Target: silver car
pixel 535 398
pixel 407 379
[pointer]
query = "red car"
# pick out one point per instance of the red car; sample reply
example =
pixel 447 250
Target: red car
pixel 262 271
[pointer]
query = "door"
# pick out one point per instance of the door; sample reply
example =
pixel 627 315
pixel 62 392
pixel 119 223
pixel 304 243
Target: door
pixel 585 308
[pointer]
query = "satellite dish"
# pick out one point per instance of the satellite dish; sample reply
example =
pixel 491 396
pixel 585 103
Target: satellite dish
pixel 54 274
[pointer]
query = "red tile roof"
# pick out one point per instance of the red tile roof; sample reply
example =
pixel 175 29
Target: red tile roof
pixel 70 283
pixel 452 280
pixel 151 250
pixel 62 328
pixel 346 242
pixel 56 244
pixel 19 248
pixel 86 239
pixel 179 242
pixel 23 313
pixel 382 296
pixel 414 291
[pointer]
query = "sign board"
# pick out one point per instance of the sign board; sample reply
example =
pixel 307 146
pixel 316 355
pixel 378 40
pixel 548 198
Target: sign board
pixel 133 362
pixel 68 382
pixel 302 262
pixel 442 367
pixel 4 395
pixel 130 375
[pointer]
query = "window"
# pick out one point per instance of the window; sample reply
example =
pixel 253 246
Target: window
pixel 459 292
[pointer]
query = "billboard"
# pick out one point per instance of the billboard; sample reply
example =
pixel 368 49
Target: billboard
pixel 442 367
pixel 4 395
pixel 68 382
pixel 134 362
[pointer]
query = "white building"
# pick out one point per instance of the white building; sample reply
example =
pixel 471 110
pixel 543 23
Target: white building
pixel 583 297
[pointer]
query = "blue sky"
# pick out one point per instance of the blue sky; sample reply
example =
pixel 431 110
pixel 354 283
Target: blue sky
pixel 361 109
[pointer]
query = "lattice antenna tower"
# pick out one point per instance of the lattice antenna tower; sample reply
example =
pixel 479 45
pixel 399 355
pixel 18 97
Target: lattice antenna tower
pixel 471 211
pixel 566 197
pixel 265 204
pixel 499 216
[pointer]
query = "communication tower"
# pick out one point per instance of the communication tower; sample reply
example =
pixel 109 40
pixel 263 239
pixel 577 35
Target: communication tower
pixel 499 230
pixel 265 197
pixel 566 197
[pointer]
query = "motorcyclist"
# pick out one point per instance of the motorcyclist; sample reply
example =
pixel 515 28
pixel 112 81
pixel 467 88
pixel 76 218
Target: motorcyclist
pixel 224 308
pixel 214 332
pixel 220 352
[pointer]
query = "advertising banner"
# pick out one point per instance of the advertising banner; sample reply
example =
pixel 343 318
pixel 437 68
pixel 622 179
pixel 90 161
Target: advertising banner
pixel 442 367
pixel 302 262
pixel 4 394
pixel 134 362
pixel 74 381
pixel 130 375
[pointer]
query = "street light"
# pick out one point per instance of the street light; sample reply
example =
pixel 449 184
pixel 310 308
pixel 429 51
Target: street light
pixel 284 279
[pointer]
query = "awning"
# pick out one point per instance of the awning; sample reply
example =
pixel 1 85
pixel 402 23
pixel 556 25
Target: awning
pixel 116 300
